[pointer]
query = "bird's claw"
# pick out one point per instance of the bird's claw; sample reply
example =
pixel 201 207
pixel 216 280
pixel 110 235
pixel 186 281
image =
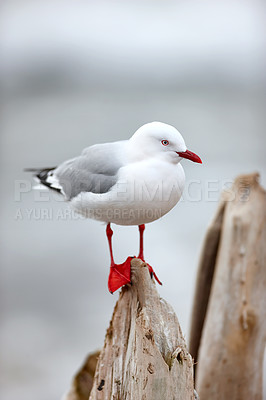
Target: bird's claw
pixel 151 271
pixel 119 275
pixel 153 274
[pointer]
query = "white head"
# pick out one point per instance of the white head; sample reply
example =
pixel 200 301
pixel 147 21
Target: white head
pixel 159 140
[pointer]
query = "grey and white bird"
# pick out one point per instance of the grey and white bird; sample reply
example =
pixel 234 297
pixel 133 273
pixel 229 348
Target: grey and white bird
pixel 129 182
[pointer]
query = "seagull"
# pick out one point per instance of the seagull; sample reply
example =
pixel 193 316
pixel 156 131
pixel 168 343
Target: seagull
pixel 128 182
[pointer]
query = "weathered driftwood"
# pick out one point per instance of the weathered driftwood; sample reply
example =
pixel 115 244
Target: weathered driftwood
pixel 144 355
pixel 233 338
pixel 204 281
pixel 83 380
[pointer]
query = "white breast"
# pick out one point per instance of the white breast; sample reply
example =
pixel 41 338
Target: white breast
pixel 144 192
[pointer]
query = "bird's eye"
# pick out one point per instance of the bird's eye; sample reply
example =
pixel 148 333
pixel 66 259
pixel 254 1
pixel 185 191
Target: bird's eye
pixel 165 142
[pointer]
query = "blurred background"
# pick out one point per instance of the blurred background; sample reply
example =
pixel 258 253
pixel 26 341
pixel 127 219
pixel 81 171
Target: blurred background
pixel 77 73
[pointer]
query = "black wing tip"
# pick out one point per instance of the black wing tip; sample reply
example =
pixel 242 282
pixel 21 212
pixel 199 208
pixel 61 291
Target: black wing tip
pixel 41 174
pixel 38 170
pixel 31 169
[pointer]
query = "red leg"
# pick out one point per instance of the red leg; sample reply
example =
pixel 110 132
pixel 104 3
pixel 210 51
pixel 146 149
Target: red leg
pixel 141 253
pixel 141 250
pixel 119 273
pixel 109 234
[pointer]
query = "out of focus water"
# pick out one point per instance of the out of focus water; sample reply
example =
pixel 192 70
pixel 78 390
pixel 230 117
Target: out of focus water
pixel 54 266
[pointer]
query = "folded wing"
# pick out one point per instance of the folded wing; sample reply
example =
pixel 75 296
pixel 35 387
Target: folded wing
pixel 95 171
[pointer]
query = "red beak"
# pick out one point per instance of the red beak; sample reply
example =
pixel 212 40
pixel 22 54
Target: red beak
pixel 190 156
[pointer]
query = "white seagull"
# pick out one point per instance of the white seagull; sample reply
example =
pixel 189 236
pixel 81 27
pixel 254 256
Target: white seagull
pixel 129 182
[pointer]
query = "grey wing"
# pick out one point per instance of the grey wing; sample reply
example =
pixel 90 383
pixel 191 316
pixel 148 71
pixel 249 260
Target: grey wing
pixel 95 170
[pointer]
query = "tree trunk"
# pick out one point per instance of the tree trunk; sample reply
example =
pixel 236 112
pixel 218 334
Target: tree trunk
pixel 232 345
pixel 144 355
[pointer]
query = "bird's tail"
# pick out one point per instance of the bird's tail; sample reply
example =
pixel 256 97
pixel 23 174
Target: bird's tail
pixel 43 176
